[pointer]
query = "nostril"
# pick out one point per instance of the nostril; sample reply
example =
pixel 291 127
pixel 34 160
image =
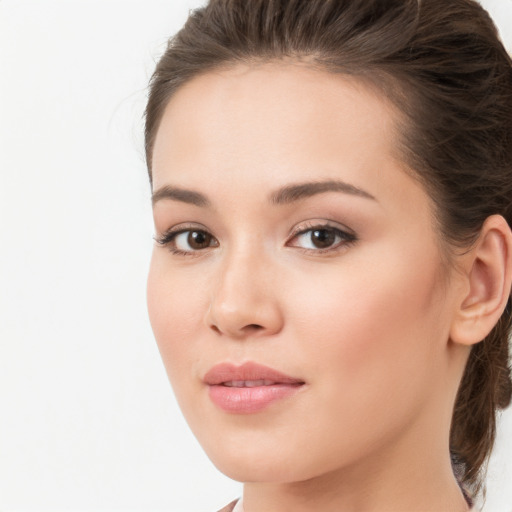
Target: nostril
pixel 243 331
pixel 216 329
pixel 253 327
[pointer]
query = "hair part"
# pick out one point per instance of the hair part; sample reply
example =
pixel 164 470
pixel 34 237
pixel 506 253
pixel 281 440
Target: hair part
pixel 442 65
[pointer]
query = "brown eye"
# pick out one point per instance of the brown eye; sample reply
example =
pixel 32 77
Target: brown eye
pixel 322 238
pixel 188 241
pixel 199 239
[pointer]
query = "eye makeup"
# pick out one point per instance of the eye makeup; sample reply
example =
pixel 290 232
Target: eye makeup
pixel 314 237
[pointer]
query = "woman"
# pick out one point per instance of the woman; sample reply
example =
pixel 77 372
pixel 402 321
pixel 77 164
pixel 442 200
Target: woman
pixel 330 284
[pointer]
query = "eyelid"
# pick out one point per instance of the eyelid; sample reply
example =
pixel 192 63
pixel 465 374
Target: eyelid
pixel 347 235
pixel 167 238
pixel 176 230
pixel 320 224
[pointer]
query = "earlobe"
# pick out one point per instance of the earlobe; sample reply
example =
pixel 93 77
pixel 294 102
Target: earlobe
pixel 488 278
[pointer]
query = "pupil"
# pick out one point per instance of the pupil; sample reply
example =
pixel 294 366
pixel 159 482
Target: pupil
pixel 198 239
pixel 322 238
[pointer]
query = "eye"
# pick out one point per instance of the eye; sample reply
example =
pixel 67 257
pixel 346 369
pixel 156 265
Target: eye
pixel 192 240
pixel 322 238
pixel 187 241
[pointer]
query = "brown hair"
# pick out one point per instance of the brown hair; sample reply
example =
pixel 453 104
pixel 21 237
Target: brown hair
pixel 443 66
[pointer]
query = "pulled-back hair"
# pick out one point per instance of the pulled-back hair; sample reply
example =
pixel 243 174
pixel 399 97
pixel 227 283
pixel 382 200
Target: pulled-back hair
pixel 442 65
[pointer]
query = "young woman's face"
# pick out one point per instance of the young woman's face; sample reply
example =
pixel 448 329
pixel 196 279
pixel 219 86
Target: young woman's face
pixel 296 253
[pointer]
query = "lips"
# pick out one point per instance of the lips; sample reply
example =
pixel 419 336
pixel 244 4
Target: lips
pixel 248 388
pixel 249 372
pixel 248 383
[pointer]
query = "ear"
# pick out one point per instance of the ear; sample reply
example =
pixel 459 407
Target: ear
pixel 487 276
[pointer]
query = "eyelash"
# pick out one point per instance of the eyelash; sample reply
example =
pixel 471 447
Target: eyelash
pixel 167 239
pixel 347 239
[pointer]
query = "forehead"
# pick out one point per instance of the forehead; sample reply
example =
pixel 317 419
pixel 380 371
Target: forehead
pixel 264 112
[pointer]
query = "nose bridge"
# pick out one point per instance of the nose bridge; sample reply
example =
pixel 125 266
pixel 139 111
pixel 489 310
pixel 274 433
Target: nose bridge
pixel 237 271
pixel 243 299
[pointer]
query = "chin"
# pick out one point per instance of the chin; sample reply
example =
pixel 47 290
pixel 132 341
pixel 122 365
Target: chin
pixel 262 465
pixel 259 471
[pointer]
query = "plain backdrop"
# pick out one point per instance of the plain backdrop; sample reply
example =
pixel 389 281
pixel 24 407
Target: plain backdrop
pixel 88 421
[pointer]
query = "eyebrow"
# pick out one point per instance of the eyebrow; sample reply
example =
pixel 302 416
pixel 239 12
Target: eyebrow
pixel 180 194
pixel 285 195
pixel 296 192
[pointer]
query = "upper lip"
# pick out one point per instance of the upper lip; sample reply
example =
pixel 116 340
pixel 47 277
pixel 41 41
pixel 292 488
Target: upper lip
pixel 228 372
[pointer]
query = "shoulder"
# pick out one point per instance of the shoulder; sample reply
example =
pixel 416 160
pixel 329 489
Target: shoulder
pixel 229 508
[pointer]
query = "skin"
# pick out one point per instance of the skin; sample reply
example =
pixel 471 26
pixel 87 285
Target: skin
pixel 366 325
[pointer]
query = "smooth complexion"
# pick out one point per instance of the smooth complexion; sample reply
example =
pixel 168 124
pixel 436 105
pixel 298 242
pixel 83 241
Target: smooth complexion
pixel 342 285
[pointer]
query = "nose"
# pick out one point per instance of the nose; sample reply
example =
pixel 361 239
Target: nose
pixel 244 301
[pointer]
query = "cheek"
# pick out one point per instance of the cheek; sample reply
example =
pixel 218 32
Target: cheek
pixel 366 337
pixel 372 324
pixel 176 303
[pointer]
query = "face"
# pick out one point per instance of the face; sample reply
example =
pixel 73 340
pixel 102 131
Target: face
pixel 295 251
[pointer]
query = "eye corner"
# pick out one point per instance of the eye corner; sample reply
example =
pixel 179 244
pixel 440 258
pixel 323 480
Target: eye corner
pixel 337 238
pixel 178 240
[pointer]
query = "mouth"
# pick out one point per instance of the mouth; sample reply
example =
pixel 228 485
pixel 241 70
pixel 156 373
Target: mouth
pixel 248 388
pixel 249 383
pixel 247 375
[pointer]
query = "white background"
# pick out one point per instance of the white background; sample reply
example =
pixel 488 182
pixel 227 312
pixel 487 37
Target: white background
pixel 87 417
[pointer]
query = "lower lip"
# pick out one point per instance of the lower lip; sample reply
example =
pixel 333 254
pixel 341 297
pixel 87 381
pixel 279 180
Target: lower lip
pixel 250 400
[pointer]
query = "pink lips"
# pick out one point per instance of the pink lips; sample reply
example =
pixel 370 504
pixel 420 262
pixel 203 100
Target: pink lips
pixel 248 388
